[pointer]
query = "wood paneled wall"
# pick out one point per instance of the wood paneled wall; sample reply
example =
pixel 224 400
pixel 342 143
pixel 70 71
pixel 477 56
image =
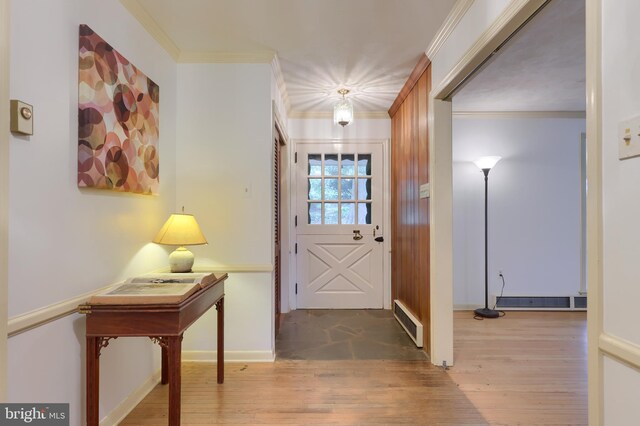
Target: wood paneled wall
pixel 410 213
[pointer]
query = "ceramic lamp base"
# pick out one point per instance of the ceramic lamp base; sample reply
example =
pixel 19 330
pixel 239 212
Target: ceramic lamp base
pixel 181 260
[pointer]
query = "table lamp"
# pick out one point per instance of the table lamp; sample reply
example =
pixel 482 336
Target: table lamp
pixel 180 230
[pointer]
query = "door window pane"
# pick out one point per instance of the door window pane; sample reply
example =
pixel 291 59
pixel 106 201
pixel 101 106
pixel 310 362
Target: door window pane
pixel 364 213
pixel 348 213
pixel 347 190
pixel 315 189
pixel 364 189
pixel 315 164
pixel 330 213
pixel 339 189
pixel 331 189
pixel 315 213
pixel 331 165
pixel 347 166
pixel 364 164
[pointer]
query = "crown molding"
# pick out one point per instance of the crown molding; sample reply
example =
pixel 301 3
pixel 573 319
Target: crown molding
pixel 519 114
pixel 152 27
pixel 282 86
pixel 512 17
pixel 362 115
pixel 453 18
pixel 250 57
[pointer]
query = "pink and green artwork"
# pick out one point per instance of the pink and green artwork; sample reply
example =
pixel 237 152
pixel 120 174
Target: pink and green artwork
pixel 118 112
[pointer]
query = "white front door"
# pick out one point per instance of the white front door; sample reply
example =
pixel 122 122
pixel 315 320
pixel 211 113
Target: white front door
pixel 339 217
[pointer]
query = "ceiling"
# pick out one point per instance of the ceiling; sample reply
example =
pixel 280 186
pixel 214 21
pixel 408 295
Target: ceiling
pixel 542 68
pixel 367 46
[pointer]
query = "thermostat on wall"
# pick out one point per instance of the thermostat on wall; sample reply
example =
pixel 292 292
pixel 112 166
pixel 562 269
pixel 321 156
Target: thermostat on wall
pixel 425 191
pixel 21 117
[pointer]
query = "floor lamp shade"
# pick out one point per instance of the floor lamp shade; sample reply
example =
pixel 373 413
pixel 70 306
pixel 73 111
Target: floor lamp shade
pixel 180 230
pixel 486 164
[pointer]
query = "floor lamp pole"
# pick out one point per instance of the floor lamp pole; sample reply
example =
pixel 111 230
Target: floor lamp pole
pixel 486 312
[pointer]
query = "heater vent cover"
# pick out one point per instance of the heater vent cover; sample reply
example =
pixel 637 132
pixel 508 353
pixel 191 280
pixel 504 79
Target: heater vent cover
pixel 409 322
pixel 551 303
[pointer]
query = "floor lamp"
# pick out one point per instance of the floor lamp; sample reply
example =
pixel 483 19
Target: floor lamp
pixel 486 164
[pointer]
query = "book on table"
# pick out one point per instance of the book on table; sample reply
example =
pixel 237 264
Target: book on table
pixel 154 288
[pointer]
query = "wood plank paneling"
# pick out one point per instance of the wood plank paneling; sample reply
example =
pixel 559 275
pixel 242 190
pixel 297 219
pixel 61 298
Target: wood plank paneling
pixel 417 72
pixel 409 213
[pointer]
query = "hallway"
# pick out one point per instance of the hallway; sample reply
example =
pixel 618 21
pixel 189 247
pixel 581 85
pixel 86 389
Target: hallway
pixel 506 371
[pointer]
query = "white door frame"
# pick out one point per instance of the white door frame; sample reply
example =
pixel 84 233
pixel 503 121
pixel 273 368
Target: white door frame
pixel 386 211
pixel 440 166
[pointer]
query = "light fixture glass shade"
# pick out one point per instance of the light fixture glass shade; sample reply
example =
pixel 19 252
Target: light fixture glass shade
pixel 180 230
pixel 484 163
pixel 343 112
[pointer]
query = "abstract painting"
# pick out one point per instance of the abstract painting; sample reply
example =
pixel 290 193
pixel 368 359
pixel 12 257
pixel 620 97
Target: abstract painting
pixel 118 128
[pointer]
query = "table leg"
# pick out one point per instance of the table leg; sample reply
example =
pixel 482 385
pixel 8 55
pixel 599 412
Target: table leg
pixel 93 380
pixel 165 366
pixel 220 348
pixel 174 353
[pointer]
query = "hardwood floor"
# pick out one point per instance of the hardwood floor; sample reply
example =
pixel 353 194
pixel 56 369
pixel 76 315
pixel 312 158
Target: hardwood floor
pixel 526 368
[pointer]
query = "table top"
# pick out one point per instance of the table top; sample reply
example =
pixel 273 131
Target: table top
pixel 164 319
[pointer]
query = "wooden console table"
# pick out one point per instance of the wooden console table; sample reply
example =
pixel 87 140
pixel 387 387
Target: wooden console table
pixel 164 324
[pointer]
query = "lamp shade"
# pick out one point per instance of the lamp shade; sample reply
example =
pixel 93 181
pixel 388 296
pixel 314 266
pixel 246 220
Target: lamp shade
pixel 485 163
pixel 343 110
pixel 180 230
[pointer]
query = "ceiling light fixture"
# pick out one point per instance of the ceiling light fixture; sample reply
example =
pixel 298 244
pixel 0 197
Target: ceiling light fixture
pixel 343 110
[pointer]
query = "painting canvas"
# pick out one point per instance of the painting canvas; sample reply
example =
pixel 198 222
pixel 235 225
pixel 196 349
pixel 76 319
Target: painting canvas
pixel 118 128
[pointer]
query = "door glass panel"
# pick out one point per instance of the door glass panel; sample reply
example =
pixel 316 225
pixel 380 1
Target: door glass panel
pixel 331 165
pixel 331 189
pixel 315 189
pixel 315 165
pixel 339 189
pixel 364 189
pixel 347 190
pixel 330 213
pixel 347 166
pixel 364 164
pixel 315 213
pixel 348 213
pixel 364 213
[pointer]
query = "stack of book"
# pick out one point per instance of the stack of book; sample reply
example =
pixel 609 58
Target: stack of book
pixel 154 288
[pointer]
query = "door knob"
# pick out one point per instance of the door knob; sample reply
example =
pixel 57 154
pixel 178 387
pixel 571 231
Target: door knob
pixel 356 234
pixel 379 239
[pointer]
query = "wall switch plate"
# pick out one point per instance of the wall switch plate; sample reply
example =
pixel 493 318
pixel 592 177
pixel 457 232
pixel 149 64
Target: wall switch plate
pixel 425 191
pixel 21 117
pixel 629 138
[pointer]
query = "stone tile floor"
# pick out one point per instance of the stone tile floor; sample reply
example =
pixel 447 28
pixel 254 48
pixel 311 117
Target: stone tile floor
pixel 337 334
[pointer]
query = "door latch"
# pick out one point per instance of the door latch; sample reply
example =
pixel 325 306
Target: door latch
pixel 356 234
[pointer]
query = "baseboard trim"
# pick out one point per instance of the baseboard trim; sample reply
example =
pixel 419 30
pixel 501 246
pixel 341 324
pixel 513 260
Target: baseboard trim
pixel 123 409
pixel 465 307
pixel 229 356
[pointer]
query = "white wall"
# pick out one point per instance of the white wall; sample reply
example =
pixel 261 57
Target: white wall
pixel 225 179
pixel 534 207
pixel 621 209
pixel 323 128
pixel 64 241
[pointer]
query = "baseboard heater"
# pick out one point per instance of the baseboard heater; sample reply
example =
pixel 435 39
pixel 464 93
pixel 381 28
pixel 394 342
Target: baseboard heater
pixel 541 303
pixel 409 322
